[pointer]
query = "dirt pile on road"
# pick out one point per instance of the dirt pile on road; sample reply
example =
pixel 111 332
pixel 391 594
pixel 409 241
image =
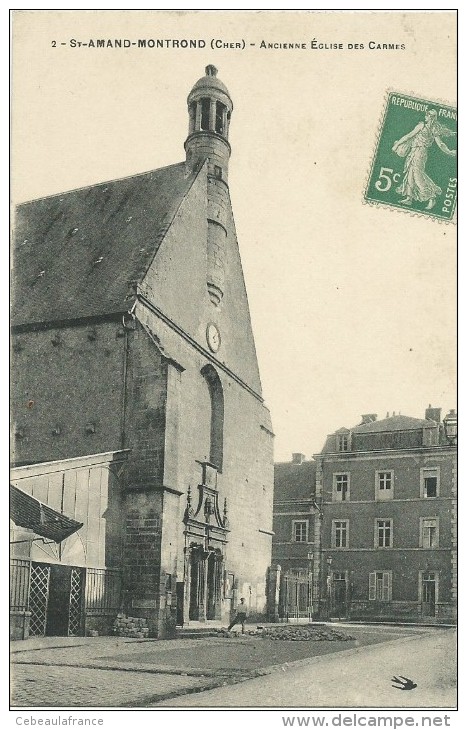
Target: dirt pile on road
pixel 292 633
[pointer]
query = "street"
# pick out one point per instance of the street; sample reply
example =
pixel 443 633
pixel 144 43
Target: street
pixel 244 671
pixel 358 678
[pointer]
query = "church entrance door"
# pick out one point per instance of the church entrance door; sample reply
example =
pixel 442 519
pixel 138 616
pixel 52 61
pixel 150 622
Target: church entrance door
pixel 205 584
pixel 196 584
pixel 214 585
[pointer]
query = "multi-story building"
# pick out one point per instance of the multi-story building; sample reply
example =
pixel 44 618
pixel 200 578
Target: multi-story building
pixel 296 536
pixel 294 513
pixel 132 341
pixel 387 491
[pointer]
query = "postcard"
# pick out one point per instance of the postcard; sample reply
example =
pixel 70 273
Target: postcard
pixel 233 328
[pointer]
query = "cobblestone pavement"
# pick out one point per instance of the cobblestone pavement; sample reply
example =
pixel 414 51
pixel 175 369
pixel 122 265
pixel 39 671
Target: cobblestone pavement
pixel 80 687
pixel 116 672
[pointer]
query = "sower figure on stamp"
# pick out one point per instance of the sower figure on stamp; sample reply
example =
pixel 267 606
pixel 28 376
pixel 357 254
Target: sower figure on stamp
pixel 240 616
pixel 414 146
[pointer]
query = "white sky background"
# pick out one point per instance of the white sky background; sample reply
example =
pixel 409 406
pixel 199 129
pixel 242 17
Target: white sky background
pixel 353 307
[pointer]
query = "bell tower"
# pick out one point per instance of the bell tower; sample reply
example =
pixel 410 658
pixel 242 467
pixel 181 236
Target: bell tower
pixel 209 110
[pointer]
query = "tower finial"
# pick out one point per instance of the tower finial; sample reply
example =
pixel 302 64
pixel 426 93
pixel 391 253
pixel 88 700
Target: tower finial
pixel 211 70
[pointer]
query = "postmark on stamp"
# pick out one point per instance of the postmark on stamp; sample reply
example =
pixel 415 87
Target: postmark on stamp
pixel 414 167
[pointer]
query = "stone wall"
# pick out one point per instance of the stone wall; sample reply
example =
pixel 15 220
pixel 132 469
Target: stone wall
pixel 66 391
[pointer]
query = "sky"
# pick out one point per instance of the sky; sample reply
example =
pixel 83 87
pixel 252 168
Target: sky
pixel 353 306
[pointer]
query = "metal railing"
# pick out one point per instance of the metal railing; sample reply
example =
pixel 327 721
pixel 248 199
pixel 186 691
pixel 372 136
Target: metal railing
pixel 103 591
pixel 20 574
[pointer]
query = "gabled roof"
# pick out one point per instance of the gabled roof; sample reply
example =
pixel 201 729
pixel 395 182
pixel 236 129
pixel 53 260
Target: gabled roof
pixel 79 254
pixel 394 423
pixel 295 481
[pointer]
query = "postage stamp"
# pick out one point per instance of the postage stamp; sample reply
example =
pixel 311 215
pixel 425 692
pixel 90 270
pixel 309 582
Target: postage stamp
pixel 415 161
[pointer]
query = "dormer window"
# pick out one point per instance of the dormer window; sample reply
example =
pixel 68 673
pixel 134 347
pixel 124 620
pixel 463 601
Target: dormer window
pixel 343 442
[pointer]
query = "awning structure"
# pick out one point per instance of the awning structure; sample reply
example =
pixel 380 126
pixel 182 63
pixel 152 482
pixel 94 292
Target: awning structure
pixel 28 512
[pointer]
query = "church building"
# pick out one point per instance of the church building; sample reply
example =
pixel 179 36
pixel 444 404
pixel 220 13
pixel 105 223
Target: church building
pixel 136 396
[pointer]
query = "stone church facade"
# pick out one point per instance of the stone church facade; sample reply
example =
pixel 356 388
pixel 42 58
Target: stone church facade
pixel 132 336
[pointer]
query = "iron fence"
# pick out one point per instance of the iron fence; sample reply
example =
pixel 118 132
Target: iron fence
pixel 103 591
pixel 20 573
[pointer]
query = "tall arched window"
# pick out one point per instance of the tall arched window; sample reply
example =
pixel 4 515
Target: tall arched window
pixel 216 394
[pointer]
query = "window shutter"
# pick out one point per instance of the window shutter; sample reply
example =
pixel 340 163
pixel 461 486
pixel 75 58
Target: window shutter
pixel 372 587
pixel 387 586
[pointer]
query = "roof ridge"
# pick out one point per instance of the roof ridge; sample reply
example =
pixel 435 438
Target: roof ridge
pixel 396 415
pixel 95 185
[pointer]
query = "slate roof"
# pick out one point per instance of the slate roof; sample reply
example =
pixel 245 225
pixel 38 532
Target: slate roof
pixel 77 254
pixel 294 481
pixel 388 433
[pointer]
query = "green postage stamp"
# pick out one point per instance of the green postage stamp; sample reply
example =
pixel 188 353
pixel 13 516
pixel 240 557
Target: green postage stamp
pixel 415 162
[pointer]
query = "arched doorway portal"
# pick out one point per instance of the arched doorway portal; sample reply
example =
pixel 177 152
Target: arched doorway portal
pixel 206 531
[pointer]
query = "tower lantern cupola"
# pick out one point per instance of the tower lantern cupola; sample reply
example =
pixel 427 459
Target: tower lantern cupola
pixel 209 110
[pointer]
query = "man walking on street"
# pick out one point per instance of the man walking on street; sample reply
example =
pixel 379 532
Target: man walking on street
pixel 240 616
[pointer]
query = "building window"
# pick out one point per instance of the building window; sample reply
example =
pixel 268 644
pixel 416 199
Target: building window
pixel 218 172
pixel 429 483
pixel 343 442
pixel 340 533
pixel 300 530
pixel 429 532
pixel 216 416
pixel 428 588
pixel 340 487
pixel 383 533
pixel 380 586
pixel 384 485
pixel 338 576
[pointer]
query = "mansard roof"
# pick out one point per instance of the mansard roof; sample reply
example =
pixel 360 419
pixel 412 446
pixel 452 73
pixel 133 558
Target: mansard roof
pixel 388 433
pixel 80 253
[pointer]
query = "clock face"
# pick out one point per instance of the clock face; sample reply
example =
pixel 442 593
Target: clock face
pixel 213 337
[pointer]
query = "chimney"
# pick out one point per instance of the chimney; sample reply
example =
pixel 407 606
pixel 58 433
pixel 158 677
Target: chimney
pixel 433 414
pixel 369 418
pixel 298 458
